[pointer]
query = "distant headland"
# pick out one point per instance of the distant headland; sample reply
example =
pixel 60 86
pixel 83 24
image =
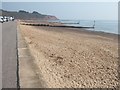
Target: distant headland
pixel 24 15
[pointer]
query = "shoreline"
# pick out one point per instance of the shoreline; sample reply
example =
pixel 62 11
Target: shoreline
pixel 112 36
pixel 62 25
pixel 79 30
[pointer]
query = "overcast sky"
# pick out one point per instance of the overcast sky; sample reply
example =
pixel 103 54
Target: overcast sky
pixel 69 10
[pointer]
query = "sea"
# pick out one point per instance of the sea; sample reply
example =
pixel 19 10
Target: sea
pixel 109 26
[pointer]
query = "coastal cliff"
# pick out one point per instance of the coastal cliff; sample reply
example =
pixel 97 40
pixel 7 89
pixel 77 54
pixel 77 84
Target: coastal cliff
pixel 24 15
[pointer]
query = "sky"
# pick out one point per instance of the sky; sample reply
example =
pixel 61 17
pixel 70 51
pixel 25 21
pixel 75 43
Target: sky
pixel 60 0
pixel 69 10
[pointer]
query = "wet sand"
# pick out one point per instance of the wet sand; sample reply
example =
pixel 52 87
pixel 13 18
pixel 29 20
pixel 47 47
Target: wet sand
pixel 74 58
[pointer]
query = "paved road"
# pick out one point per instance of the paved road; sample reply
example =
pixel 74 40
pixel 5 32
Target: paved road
pixel 0 55
pixel 9 55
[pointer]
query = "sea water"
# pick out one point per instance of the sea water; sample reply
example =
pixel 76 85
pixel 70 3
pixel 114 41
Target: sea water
pixel 109 26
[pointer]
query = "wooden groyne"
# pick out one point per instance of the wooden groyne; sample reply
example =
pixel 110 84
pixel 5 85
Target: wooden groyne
pixel 70 23
pixel 50 25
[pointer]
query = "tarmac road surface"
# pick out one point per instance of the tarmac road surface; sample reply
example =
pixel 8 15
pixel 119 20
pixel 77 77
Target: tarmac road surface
pixel 9 54
pixel 0 56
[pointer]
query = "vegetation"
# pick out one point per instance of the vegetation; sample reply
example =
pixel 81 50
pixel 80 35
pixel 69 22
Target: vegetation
pixel 24 15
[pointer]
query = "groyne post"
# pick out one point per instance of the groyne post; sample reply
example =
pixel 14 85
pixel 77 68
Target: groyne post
pixel 94 24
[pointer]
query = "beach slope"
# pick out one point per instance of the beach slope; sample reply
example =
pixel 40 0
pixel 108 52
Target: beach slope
pixel 73 58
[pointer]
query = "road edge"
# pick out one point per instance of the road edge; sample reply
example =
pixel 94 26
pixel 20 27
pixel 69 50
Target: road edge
pixel 18 80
